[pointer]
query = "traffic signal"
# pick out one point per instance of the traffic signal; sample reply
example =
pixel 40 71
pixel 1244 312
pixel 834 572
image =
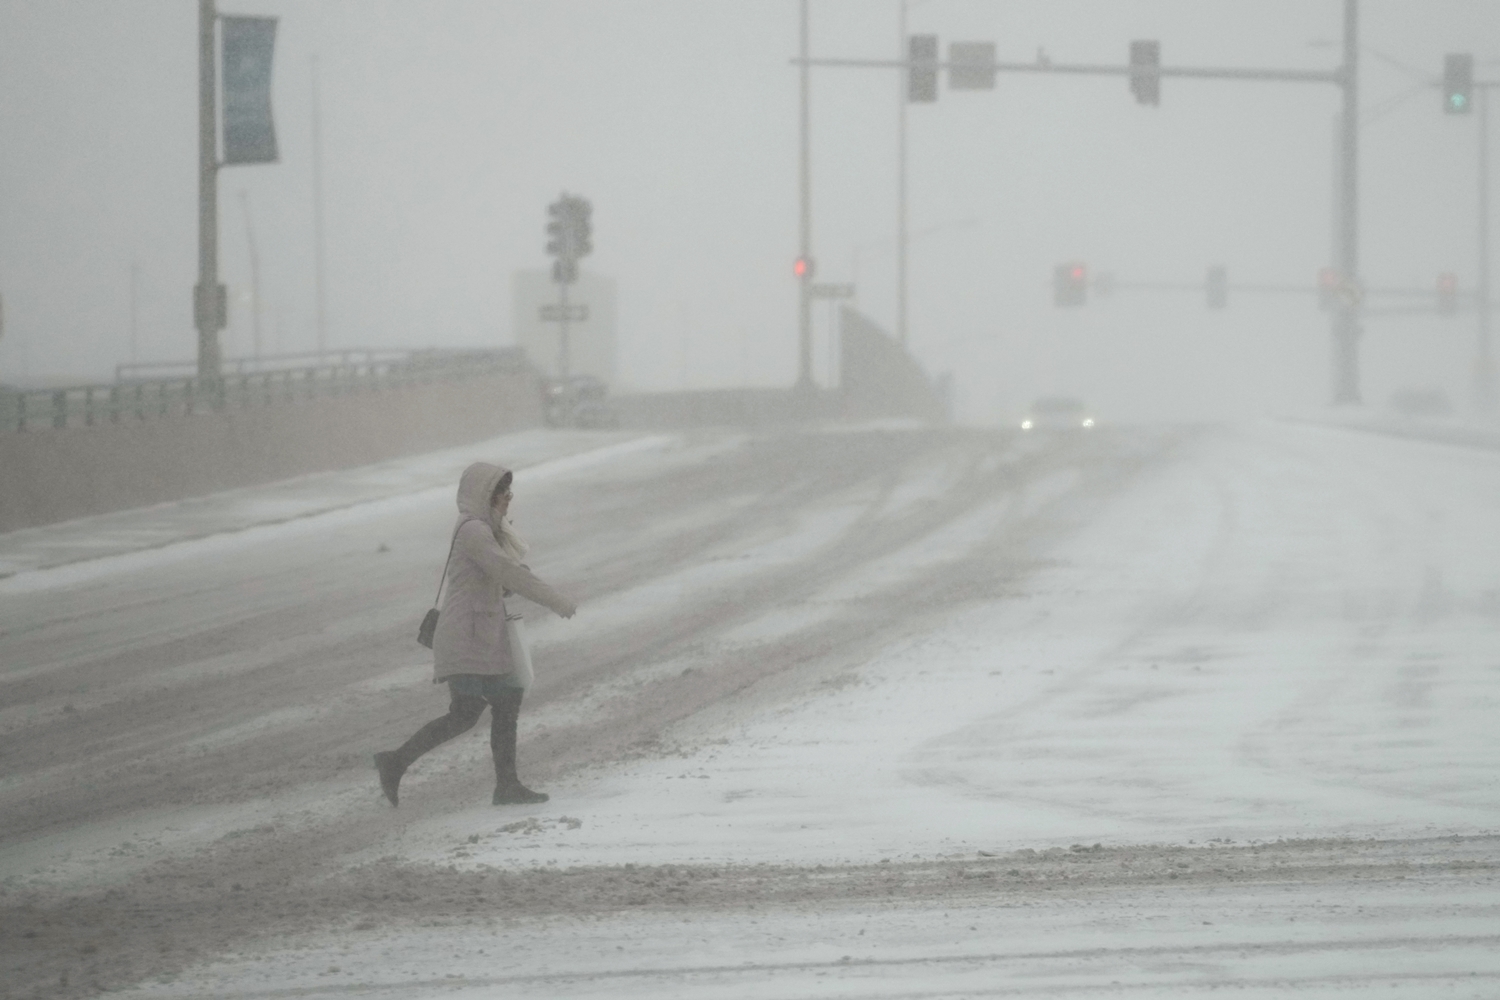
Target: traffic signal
pixel 1217 286
pixel 583 227
pixel 1145 72
pixel 1070 284
pixel 1328 287
pixel 569 231
pixel 556 230
pixel 1447 293
pixel 802 267
pixel 921 75
pixel 971 66
pixel 1458 83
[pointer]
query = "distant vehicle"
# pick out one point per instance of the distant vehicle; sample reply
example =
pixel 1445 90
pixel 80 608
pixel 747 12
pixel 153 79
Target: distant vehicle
pixel 1057 413
pixel 577 401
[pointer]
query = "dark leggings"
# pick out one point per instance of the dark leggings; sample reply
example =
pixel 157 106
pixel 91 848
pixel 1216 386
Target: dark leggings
pixel 463 711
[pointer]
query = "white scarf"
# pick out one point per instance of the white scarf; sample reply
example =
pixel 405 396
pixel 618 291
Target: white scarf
pixel 510 541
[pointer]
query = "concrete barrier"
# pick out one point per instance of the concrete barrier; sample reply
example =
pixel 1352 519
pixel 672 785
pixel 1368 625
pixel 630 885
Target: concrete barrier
pixel 878 378
pixel 57 474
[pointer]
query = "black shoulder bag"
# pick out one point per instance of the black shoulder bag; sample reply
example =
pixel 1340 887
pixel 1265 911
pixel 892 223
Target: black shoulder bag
pixel 429 622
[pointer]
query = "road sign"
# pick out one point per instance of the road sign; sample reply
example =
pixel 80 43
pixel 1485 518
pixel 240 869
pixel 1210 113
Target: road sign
pixel 554 313
pixel 834 291
pixel 971 66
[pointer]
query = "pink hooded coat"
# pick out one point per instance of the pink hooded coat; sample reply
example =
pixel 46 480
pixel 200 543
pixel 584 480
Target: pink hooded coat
pixel 470 636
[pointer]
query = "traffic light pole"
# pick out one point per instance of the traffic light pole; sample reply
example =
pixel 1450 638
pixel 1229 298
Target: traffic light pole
pixel 564 348
pixel 1346 326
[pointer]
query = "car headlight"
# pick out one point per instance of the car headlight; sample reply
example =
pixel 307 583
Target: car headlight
pixel 1088 421
pixel 1026 425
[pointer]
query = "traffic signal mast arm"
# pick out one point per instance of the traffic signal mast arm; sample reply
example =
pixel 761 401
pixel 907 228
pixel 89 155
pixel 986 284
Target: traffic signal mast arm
pixel 1444 299
pixel 1335 76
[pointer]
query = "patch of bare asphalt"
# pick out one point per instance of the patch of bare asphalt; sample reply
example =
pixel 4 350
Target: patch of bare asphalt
pixel 83 945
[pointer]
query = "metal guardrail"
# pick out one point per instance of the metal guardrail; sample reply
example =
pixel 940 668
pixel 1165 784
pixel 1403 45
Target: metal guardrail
pixel 145 399
pixel 156 370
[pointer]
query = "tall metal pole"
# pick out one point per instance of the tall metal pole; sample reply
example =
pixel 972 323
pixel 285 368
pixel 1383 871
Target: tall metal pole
pixel 564 347
pixel 1484 364
pixel 1346 328
pixel 804 183
pixel 135 298
pixel 208 297
pixel 321 314
pixel 254 275
pixel 901 216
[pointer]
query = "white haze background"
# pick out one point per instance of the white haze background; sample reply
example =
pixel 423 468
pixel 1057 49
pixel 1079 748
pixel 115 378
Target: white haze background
pixel 448 126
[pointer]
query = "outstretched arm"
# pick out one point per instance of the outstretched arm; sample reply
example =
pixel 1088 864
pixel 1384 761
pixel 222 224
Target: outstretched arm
pixel 476 541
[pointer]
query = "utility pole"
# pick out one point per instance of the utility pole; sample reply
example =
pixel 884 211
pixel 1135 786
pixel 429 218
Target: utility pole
pixel 209 304
pixel 902 100
pixel 321 314
pixel 804 238
pixel 1346 328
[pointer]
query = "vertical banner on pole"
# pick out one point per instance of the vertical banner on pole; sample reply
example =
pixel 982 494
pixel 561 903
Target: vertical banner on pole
pixel 249 132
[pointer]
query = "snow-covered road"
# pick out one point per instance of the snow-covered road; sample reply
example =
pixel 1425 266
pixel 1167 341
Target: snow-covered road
pixel 844 713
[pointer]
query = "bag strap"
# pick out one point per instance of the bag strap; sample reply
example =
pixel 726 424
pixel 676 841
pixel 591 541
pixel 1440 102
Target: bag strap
pixel 451 545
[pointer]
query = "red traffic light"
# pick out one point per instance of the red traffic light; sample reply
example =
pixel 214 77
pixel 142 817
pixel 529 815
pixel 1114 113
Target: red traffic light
pixel 1328 284
pixel 1070 284
pixel 803 267
pixel 1447 293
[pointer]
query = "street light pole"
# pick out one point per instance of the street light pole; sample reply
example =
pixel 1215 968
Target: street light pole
pixel 208 298
pixel 1484 365
pixel 320 307
pixel 135 297
pixel 901 215
pixel 1346 328
pixel 804 181
pixel 254 274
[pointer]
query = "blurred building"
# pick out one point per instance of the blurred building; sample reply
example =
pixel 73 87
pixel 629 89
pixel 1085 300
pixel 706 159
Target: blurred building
pixel 591 342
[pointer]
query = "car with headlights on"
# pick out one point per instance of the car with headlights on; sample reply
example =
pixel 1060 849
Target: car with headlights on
pixel 1057 413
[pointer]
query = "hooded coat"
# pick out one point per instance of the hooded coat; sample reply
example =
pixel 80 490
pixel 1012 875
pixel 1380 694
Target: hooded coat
pixel 470 637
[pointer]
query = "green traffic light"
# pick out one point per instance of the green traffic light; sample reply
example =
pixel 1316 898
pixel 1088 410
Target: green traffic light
pixel 1457 100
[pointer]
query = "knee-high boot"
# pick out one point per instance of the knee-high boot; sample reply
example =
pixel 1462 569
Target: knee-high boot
pixel 463 712
pixel 504 712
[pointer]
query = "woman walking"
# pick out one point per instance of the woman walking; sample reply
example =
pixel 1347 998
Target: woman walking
pixel 471 647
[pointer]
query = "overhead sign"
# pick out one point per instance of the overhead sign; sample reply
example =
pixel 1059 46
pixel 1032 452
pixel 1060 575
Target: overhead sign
pixel 554 313
pixel 971 66
pixel 249 132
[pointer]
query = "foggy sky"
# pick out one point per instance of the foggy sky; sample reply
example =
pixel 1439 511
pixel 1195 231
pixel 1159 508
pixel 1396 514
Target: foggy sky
pixel 450 125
